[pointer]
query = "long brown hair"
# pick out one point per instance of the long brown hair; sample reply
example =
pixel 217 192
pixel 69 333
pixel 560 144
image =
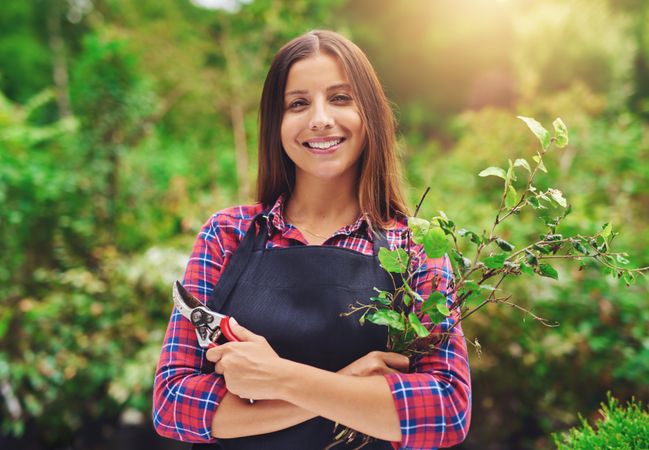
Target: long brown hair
pixel 379 192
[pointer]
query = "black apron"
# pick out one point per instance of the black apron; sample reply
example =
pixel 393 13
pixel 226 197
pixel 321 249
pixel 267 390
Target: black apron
pixel 293 297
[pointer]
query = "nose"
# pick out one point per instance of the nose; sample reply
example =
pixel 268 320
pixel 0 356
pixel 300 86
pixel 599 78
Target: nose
pixel 321 118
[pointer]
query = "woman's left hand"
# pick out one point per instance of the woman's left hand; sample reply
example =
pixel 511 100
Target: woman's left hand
pixel 251 368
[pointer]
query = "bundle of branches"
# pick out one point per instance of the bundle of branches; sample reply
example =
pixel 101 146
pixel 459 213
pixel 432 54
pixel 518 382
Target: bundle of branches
pixel 489 258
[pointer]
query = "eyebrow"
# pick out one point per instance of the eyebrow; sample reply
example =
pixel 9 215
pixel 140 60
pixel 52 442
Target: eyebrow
pixel 330 88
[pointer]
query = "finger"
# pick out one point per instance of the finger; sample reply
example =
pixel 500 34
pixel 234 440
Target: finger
pixel 218 368
pixel 242 333
pixel 396 360
pixel 215 354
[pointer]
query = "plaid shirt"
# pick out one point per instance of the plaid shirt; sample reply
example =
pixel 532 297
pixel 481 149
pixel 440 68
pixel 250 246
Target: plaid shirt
pixel 433 403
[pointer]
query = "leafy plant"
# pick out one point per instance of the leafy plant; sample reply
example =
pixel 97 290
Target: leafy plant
pixel 620 428
pixel 492 257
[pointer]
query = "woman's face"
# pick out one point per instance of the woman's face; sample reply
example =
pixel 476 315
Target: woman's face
pixel 322 131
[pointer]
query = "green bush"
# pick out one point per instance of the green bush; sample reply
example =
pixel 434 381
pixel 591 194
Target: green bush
pixel 621 429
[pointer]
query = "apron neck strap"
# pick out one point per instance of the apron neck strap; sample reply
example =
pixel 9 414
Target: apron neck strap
pixel 380 240
pixel 257 235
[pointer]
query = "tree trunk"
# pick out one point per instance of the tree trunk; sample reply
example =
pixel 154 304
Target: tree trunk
pixel 59 62
pixel 237 115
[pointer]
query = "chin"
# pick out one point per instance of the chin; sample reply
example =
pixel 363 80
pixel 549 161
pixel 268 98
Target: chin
pixel 329 174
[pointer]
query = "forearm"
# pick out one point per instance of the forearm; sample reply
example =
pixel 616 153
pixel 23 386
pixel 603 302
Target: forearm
pixel 364 404
pixel 236 417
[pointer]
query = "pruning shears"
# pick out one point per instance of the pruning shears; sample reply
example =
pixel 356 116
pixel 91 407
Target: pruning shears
pixel 209 325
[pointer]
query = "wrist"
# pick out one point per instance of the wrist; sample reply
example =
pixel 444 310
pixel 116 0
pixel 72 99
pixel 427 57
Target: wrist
pixel 285 378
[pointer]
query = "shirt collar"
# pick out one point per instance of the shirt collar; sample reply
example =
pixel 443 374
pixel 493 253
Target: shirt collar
pixel 277 221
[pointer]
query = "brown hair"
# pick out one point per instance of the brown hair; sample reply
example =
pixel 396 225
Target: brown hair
pixel 379 192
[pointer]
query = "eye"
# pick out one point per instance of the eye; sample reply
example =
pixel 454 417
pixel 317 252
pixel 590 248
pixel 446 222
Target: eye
pixel 296 104
pixel 341 98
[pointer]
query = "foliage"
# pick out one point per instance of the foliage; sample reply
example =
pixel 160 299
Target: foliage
pixel 469 291
pixel 624 428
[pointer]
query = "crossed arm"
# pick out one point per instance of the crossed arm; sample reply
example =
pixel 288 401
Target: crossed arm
pixel 358 396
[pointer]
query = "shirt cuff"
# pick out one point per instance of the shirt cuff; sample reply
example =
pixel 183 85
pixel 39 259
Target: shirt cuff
pixel 192 411
pixel 418 410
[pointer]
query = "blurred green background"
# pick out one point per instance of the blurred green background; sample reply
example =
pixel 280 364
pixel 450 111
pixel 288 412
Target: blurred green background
pixel 124 124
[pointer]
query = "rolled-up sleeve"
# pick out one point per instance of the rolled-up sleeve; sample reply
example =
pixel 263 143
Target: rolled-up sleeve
pixel 434 402
pixel 186 390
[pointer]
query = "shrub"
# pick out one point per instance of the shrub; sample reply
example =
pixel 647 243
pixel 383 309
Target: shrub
pixel 620 428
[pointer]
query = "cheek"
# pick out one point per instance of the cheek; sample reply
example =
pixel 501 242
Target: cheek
pixel 288 131
pixel 355 123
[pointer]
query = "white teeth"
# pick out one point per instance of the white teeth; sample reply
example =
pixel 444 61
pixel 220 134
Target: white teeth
pixel 324 145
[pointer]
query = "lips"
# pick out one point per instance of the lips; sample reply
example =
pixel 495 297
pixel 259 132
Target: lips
pixel 324 145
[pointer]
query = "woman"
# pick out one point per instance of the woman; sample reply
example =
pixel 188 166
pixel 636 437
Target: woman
pixel 285 268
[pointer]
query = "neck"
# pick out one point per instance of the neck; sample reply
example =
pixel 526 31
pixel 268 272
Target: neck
pixel 323 203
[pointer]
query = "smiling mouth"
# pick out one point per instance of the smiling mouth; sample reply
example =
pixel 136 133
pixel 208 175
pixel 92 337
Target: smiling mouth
pixel 323 145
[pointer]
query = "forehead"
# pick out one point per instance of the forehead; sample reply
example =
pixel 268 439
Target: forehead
pixel 316 72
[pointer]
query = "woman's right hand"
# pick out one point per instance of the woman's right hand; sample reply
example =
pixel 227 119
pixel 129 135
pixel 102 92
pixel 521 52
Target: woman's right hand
pixel 377 363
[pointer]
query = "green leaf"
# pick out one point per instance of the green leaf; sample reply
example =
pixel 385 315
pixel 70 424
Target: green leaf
pixel 534 202
pixel 414 294
pixel 511 198
pixel 539 161
pixel 474 295
pixel 547 270
pixel 560 133
pixel 443 309
pixel 430 305
pixel 628 277
pixel 395 261
pixel 622 260
pixel 557 196
pixel 511 175
pixel 472 236
pixel 419 228
pixel 416 325
pixel 580 247
pixel 435 243
pixel 520 162
pixel 527 269
pixel 607 229
pixel 383 301
pixel 487 287
pixel 387 317
pixel 531 258
pixel 407 300
pixel 495 261
pixel 541 133
pixel 503 244
pixel 493 171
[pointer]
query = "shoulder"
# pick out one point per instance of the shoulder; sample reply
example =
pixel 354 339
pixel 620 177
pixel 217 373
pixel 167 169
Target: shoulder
pixel 230 223
pixel 396 232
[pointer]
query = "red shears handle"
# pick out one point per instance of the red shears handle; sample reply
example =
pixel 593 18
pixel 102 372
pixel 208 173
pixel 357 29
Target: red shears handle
pixel 226 330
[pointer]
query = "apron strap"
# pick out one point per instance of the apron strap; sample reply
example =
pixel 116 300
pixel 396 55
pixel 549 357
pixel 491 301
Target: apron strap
pixel 238 262
pixel 380 240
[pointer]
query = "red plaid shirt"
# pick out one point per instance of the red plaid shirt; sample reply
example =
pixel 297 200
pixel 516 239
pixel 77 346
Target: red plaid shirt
pixel 433 403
